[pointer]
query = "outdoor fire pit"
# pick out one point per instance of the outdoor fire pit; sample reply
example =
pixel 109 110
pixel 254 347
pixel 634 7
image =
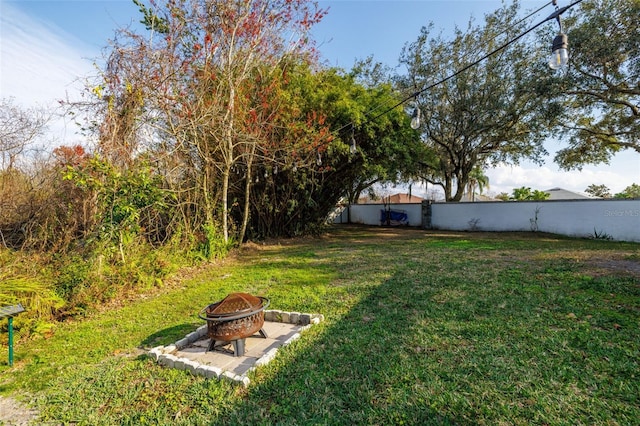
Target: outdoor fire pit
pixel 233 319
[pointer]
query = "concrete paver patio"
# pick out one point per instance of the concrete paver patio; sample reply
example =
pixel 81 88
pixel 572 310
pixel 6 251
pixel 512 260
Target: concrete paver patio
pixel 191 353
pixel 255 348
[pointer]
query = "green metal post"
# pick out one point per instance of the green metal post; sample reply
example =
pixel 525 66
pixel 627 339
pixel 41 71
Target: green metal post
pixel 9 312
pixel 10 341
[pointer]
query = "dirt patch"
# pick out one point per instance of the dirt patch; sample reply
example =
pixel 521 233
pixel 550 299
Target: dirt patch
pixel 628 267
pixel 14 413
pixel 598 263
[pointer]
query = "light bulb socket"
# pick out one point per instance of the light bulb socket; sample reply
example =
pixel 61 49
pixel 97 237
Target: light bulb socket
pixel 561 41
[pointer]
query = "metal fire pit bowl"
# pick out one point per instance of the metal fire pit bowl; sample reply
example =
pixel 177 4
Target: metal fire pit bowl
pixel 234 318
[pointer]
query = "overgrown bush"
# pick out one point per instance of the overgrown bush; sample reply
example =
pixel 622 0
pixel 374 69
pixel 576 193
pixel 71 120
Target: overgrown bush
pixel 78 233
pixel 53 287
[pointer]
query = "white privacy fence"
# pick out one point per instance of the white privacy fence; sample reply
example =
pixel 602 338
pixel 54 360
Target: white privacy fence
pixel 611 219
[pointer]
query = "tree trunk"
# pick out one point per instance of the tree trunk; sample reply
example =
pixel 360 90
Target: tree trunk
pixel 247 194
pixel 228 163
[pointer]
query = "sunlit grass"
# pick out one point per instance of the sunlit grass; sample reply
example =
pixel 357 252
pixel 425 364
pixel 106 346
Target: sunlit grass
pixel 421 328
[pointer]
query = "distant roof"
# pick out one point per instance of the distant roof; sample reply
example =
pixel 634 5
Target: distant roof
pixel 393 199
pixel 477 198
pixel 565 194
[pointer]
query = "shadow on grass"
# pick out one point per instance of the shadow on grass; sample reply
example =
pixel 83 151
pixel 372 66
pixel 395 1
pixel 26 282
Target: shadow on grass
pixel 167 335
pixel 472 344
pixel 361 369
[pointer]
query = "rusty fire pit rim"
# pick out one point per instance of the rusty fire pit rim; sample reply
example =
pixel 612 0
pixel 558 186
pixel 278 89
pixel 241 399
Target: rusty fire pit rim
pixel 231 316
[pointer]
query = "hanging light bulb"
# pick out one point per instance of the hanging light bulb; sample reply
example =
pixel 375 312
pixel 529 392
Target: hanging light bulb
pixel 319 160
pixel 415 116
pixel 559 53
pixel 415 119
pixel 353 148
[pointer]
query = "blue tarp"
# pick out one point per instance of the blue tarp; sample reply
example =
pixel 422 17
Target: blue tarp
pixel 393 217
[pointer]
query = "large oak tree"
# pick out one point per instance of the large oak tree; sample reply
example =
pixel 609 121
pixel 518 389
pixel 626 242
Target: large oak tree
pixel 490 113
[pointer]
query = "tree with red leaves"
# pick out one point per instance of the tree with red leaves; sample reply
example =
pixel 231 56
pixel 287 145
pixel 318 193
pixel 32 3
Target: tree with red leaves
pixel 184 88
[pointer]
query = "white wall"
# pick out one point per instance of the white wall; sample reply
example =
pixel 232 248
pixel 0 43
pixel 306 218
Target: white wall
pixel 615 219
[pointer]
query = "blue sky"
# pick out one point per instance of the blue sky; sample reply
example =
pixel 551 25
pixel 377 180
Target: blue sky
pixel 47 48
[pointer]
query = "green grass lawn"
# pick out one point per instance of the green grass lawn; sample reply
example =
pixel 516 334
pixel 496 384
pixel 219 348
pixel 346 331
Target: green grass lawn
pixel 421 328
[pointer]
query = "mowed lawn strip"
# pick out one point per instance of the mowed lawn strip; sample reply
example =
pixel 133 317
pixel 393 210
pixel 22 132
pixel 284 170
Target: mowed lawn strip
pixel 421 328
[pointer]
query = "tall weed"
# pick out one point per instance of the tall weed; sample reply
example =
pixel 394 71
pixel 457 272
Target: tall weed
pixel 34 292
pixel 214 246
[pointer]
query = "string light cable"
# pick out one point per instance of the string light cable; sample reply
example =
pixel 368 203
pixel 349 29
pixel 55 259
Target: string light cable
pixel 555 15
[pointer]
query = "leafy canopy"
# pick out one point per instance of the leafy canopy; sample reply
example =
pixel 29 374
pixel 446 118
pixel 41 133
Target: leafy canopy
pixel 600 92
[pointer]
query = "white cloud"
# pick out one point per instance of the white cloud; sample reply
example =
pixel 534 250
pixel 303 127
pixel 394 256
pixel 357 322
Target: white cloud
pixel 506 178
pixel 622 173
pixel 40 65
